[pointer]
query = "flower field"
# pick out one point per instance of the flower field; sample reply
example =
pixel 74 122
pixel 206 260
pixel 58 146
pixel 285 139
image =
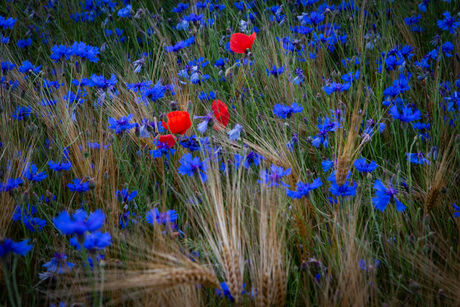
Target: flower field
pixel 229 153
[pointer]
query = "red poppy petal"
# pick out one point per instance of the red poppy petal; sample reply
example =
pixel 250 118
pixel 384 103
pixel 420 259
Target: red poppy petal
pixel 252 39
pixel 179 122
pixel 168 139
pixel 221 113
pixel 239 42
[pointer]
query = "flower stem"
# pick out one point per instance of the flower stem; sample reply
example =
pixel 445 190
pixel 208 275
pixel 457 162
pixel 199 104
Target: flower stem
pixel 8 285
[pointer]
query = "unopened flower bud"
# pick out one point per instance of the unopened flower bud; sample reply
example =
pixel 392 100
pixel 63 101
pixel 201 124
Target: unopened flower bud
pixel 91 185
pixel 110 138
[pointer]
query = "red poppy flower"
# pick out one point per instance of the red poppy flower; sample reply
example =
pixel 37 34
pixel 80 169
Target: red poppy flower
pixel 168 139
pixel 221 114
pixel 240 42
pixel 178 122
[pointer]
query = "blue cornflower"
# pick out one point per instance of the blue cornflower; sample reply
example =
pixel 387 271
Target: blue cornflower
pixel 102 83
pixel 97 240
pixel 10 184
pixel 193 18
pixel 6 23
pixel 78 186
pixel 422 6
pixel 392 62
pixel 58 264
pixel 417 158
pixel 314 18
pixel 127 218
pixel 273 176
pixel 182 25
pixel 22 112
pixel 4 39
pixel 163 149
pixel 23 43
pixel 79 223
pixel 421 126
pixel 275 71
pixel 207 96
pixel 83 51
pixel 93 241
pixel 27 67
pixel 174 48
pixel 139 86
pixel 303 189
pixel 346 189
pixel 121 124
pixel 351 77
pixel 283 111
pixel 124 196
pixel 384 196
pixel 79 97
pixel 8 246
pixel 154 216
pixel 47 102
pixel 180 8
pixel 456 214
pixel 327 165
pixel 125 12
pixel 235 133
pixel 203 126
pixel 98 259
pixel 336 87
pixel 60 53
pixel 59 167
pixel 192 165
pixel 191 143
pixel 31 174
pixel 220 62
pixel 156 92
pixel 446 48
pixel 292 142
pixel 324 126
pixel 407 114
pixel 449 23
pixel 6 66
pixel 82 83
pixel 413 20
pixel 33 223
pixel 226 291
pixel 20 211
pixel 252 158
pixel 362 166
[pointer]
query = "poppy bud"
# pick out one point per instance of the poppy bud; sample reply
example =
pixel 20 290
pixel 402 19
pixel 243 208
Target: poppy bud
pixel 426 220
pixel 304 266
pixel 441 295
pixel 414 286
pixel 457 137
pixel 411 238
pixel 110 138
pixel 91 185
pixel 25 196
